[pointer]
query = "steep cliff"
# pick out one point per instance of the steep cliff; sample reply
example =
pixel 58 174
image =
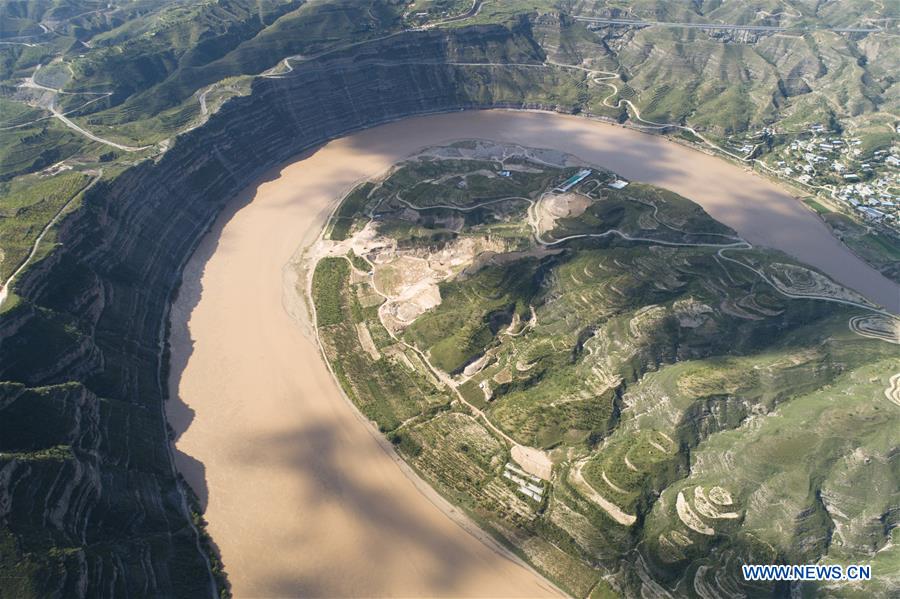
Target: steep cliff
pixel 90 504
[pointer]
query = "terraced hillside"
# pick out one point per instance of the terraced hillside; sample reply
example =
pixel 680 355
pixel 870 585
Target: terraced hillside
pixel 125 127
pixel 86 85
pixel 616 385
pixel 752 80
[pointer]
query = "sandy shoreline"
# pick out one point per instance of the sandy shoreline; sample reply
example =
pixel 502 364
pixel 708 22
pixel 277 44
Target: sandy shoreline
pixel 303 497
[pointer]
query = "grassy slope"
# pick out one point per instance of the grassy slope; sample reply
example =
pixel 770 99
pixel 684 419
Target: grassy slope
pixel 32 203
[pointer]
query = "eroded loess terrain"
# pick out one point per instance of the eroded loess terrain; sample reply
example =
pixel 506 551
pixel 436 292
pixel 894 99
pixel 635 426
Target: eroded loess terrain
pixel 615 384
pixel 125 127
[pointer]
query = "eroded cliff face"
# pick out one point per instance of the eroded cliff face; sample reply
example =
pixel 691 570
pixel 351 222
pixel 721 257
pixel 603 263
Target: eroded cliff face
pixel 90 504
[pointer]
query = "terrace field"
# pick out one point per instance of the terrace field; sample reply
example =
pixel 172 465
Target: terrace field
pixel 127 125
pixel 613 383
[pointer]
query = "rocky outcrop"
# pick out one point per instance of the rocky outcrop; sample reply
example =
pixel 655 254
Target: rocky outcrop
pixel 90 504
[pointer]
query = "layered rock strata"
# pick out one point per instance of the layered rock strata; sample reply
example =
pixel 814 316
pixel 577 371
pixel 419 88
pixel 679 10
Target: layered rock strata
pixel 90 504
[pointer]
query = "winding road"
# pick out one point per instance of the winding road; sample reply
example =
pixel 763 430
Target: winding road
pixel 736 244
pixel 718 26
pixel 4 290
pixel 31 83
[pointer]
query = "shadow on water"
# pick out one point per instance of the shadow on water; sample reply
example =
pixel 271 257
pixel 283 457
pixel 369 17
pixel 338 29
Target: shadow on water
pixel 190 290
pixel 310 452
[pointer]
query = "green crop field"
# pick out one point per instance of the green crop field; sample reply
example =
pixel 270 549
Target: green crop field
pixel 386 391
pixel 31 204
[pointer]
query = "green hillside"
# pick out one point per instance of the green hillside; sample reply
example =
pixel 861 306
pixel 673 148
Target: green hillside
pixel 696 418
pixel 694 415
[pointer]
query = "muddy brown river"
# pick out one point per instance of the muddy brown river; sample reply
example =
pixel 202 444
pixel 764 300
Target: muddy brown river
pixel 303 497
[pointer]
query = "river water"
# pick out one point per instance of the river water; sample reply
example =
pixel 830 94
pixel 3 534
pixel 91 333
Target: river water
pixel 303 496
